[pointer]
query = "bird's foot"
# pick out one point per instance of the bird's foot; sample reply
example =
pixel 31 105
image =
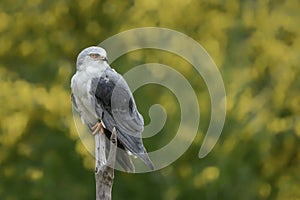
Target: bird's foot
pixel 98 127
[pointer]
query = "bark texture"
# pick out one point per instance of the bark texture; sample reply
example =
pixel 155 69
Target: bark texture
pixel 104 170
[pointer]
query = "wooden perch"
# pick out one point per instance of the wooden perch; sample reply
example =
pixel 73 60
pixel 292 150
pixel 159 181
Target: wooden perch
pixel 104 170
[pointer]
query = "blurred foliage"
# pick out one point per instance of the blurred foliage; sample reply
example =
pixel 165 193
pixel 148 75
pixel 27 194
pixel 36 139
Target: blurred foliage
pixel 255 44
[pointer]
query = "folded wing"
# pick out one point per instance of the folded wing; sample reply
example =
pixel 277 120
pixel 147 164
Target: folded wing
pixel 116 107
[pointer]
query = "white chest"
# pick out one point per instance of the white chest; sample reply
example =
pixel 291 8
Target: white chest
pixel 81 86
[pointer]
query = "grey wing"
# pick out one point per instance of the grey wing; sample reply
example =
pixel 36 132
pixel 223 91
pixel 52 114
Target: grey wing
pixel 119 110
pixel 122 157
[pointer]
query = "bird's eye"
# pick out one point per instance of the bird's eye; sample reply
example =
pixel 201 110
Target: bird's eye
pixel 94 55
pixel 97 56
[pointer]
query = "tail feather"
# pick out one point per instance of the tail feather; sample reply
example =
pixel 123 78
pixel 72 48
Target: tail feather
pixel 124 161
pixel 122 157
pixel 145 158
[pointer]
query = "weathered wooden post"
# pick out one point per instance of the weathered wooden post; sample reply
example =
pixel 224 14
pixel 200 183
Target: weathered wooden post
pixel 104 169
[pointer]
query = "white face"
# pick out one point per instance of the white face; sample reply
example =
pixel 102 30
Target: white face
pixel 91 55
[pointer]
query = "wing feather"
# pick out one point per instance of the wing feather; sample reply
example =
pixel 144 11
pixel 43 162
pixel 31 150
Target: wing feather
pixel 114 97
pixel 119 110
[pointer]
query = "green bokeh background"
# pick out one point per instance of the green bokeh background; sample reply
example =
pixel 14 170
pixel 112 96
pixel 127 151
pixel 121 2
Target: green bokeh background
pixel 255 44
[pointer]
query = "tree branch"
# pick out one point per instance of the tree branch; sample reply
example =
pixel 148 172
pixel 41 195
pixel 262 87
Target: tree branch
pixel 104 170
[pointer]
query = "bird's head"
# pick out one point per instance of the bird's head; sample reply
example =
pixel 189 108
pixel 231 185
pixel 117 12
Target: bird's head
pixel 91 56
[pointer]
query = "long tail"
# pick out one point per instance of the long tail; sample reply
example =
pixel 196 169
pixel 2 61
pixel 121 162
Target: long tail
pixel 122 156
pixel 145 158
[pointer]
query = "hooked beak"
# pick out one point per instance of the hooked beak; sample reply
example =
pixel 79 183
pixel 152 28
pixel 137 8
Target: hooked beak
pixel 105 59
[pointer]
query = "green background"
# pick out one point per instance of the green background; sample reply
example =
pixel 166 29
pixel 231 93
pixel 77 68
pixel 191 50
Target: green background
pixel 255 44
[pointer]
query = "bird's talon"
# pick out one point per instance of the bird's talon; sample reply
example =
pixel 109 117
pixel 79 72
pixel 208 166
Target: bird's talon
pixel 97 127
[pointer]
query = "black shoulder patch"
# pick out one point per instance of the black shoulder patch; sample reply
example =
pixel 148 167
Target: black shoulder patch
pixel 104 92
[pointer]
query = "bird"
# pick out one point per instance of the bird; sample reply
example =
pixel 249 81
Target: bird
pixel 104 101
